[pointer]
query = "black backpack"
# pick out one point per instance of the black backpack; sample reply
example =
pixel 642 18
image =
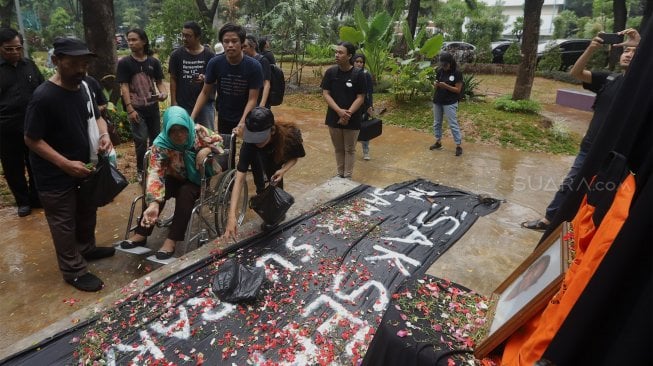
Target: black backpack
pixel 277 85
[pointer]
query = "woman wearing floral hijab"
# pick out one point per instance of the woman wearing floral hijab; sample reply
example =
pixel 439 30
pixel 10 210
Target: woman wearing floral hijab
pixel 177 153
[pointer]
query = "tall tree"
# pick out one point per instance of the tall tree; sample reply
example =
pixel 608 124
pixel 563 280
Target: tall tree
pixel 413 10
pixel 619 11
pixel 99 31
pixel 208 12
pixel 6 11
pixel 526 73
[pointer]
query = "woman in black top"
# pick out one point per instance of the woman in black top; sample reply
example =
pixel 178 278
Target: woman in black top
pixel 448 86
pixel 278 145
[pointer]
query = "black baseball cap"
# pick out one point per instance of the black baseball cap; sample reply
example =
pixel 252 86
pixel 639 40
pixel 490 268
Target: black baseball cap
pixel 257 125
pixel 71 47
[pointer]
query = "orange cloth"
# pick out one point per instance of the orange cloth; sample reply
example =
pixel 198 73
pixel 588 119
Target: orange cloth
pixel 527 345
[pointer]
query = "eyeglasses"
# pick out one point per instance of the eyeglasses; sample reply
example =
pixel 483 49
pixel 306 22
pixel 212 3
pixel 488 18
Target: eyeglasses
pixel 12 49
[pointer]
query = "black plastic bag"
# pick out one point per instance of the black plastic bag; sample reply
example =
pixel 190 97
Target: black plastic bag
pixel 272 204
pixel 104 183
pixel 236 282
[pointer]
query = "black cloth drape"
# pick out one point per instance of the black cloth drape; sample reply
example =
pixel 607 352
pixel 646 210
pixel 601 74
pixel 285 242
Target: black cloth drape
pixel 611 323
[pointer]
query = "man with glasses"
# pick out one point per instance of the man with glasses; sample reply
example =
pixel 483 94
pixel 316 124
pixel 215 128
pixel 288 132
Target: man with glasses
pixel 187 70
pixel 19 77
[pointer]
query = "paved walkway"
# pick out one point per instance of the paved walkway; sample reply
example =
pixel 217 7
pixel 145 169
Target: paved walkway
pixel 37 302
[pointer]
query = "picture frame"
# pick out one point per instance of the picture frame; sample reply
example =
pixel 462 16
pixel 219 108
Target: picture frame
pixel 526 290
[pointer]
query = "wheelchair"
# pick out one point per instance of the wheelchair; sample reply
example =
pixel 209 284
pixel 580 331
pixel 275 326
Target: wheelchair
pixel 211 210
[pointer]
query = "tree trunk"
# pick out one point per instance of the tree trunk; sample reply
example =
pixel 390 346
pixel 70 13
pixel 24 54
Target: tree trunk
pixel 99 31
pixel 6 11
pixel 531 34
pixel 207 13
pixel 413 10
pixel 648 11
pixel 619 9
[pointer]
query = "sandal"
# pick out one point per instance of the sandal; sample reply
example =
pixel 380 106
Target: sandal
pixel 163 255
pixel 130 244
pixel 537 225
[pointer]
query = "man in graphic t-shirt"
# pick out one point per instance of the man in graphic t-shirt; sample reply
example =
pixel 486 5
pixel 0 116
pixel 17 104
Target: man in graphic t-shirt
pixel 187 72
pixel 237 78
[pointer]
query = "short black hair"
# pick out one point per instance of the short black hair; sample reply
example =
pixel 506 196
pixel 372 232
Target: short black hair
pixel 351 50
pixel 197 30
pixel 7 34
pixel 360 55
pixel 252 40
pixel 231 27
pixel 143 36
pixel 262 42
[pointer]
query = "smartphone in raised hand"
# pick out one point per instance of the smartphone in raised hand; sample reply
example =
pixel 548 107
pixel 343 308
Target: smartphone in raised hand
pixel 611 38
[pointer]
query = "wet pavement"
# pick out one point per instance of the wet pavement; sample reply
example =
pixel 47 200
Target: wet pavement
pixel 37 303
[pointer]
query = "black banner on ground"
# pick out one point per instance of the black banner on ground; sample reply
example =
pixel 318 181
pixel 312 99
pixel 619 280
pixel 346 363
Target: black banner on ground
pixel 331 273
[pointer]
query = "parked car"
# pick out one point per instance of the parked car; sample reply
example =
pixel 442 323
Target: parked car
pixel 498 50
pixel 121 41
pixel 570 50
pixel 462 52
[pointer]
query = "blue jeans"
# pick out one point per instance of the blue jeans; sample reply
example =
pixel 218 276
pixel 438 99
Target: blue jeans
pixel 449 111
pixel 366 146
pixel 565 187
pixel 206 116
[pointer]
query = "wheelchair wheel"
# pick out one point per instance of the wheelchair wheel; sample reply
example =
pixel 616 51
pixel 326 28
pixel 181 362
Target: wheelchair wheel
pixel 223 201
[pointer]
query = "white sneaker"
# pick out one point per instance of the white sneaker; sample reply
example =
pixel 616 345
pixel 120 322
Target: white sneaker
pixel 366 157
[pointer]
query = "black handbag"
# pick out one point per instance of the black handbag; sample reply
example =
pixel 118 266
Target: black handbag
pixel 104 183
pixel 370 129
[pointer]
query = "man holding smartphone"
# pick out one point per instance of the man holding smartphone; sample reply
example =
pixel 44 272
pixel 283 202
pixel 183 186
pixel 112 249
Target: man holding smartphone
pixel 187 68
pixel 606 85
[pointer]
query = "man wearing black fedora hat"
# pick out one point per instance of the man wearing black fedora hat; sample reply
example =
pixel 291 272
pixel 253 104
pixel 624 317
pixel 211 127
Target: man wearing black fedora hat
pixel 56 131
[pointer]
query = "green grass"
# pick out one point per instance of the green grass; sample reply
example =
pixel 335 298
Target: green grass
pixel 482 123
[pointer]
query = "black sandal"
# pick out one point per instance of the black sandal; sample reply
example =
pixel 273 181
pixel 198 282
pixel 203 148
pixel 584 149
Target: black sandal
pixel 537 225
pixel 130 244
pixel 163 255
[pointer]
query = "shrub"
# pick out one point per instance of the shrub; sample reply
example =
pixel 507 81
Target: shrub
pixel 470 83
pixel 505 103
pixel 550 60
pixel 558 75
pixel 512 56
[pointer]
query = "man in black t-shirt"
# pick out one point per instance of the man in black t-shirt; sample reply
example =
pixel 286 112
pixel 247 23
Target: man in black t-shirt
pixel 60 149
pixel 448 86
pixel 19 77
pixel 237 78
pixel 187 69
pixel 343 88
pixel 137 75
pixel 249 48
pixel 606 86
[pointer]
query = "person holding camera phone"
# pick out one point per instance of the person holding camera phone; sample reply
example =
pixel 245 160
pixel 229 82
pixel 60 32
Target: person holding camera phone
pixel 137 75
pixel 606 85
pixel 187 68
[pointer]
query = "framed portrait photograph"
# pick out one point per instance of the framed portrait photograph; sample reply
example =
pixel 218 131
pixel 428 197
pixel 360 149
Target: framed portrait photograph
pixel 526 291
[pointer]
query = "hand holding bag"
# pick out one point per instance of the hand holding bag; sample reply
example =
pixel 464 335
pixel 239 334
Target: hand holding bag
pixel 272 204
pixel 104 183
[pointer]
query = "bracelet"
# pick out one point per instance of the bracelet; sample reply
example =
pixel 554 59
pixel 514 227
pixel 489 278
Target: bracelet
pixel 127 105
pixel 104 134
pixel 133 111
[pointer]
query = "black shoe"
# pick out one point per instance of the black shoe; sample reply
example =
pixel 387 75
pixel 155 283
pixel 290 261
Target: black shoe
pixel 436 146
pixel 537 225
pixel 459 150
pixel 163 255
pixel 130 244
pixel 24 211
pixel 88 282
pixel 99 253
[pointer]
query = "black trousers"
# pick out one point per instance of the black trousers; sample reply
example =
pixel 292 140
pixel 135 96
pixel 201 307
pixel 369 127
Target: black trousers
pixel 14 156
pixel 185 194
pixel 145 131
pixel 72 226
